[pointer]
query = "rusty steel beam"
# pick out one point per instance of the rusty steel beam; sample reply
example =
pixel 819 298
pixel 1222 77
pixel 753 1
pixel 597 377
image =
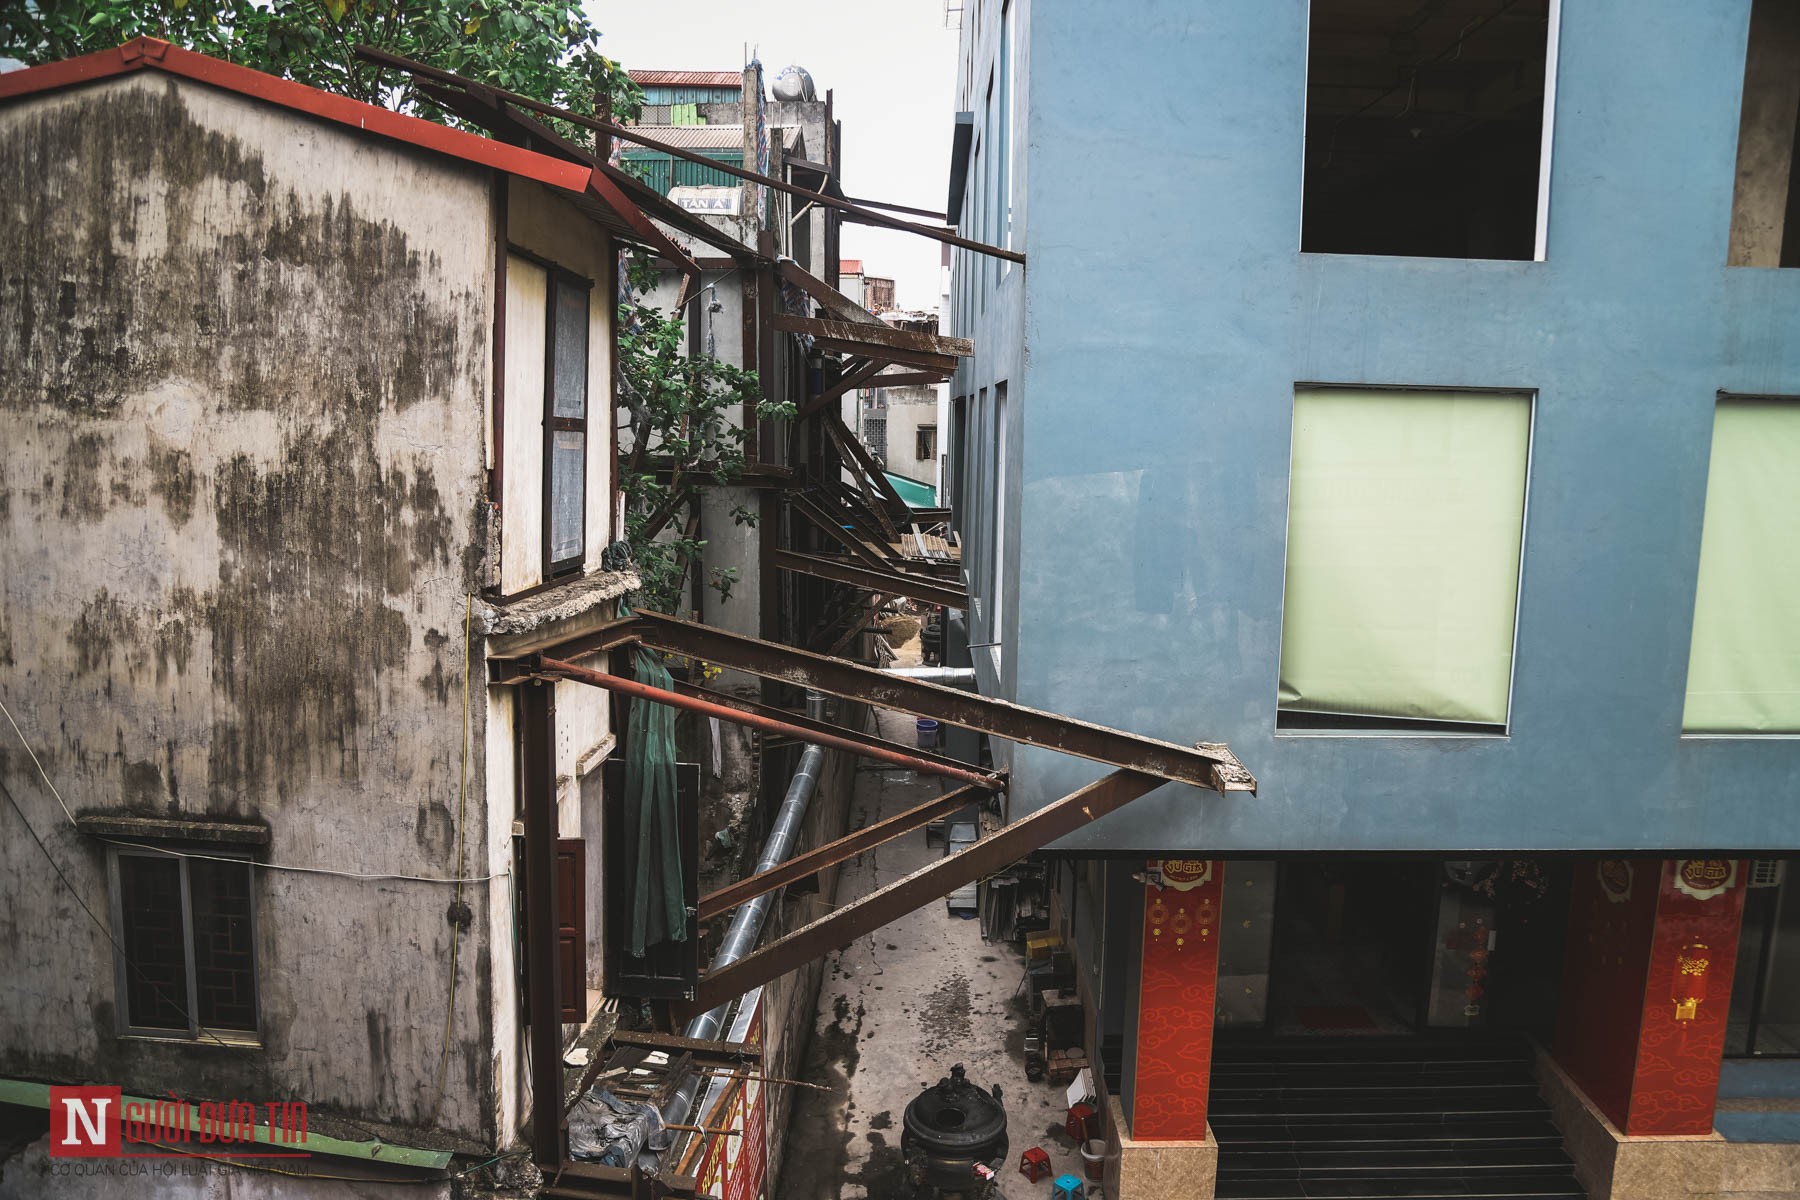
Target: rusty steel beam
pixel 884 335
pixel 510 665
pixel 851 379
pixel 922 359
pixel 994 782
pixel 832 853
pixel 909 379
pixel 1213 767
pixel 561 669
pixel 927 591
pixel 868 472
pixel 829 298
pixel 917 212
pixel 834 528
pixel 636 135
pixel 537 778
pixel 868 913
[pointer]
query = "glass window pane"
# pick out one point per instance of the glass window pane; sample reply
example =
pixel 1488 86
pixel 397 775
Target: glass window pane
pixel 568 474
pixel 1405 515
pixel 155 951
pixel 224 954
pixel 568 375
pixel 1744 660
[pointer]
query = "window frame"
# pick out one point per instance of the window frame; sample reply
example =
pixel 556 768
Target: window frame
pixel 1351 725
pixel 1721 397
pixel 1540 249
pixel 558 276
pixel 190 1007
pixel 920 450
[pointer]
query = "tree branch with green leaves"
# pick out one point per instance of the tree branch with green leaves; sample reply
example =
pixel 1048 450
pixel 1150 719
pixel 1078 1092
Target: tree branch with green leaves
pixel 683 436
pixel 546 49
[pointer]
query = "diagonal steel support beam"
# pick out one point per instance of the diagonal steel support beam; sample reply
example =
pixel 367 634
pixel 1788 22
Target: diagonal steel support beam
pixel 858 375
pixel 833 853
pixel 1214 767
pixel 868 913
pixel 892 583
pixel 561 669
pixel 863 549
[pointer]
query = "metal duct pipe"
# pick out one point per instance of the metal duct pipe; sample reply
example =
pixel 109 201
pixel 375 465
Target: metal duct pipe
pixel 746 926
pixel 952 676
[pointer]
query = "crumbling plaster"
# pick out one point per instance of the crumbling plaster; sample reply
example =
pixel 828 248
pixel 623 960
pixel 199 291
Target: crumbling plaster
pixel 249 356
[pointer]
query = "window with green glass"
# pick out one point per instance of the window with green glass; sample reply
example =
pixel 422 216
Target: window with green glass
pixel 1744 659
pixel 1406 513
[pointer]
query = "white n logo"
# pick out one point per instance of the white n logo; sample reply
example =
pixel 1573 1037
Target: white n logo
pixel 95 1125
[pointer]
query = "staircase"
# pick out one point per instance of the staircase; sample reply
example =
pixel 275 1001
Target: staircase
pixel 1358 1117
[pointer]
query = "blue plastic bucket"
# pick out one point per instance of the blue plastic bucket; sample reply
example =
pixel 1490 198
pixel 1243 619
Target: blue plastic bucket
pixel 928 731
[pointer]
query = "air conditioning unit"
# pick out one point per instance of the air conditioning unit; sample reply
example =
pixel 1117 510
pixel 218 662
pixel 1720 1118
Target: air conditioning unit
pixel 1766 872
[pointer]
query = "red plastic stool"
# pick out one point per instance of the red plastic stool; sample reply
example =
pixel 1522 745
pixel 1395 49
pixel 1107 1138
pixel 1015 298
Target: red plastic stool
pixel 1077 1125
pixel 1034 1161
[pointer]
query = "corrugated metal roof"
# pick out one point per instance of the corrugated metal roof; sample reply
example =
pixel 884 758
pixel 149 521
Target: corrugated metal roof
pixel 687 78
pixel 692 137
pixel 850 266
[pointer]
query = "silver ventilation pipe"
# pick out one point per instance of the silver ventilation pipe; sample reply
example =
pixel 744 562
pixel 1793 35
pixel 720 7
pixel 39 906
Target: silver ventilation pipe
pixel 949 676
pixel 746 926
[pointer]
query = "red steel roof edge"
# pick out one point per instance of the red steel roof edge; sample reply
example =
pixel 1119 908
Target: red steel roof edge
pixel 145 52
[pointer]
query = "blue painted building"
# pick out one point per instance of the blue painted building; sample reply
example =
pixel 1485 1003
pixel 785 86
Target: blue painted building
pixel 1409 396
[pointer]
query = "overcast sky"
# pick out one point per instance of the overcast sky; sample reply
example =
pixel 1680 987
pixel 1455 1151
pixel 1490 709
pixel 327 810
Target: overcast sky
pixel 891 65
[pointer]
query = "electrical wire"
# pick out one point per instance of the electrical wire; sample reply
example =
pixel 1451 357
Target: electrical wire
pixel 106 929
pixel 373 876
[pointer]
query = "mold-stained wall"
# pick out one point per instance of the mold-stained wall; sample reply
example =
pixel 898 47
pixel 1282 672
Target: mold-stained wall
pixel 1167 315
pixel 247 363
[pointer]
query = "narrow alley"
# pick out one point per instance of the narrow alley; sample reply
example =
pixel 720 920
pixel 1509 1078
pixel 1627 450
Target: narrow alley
pixel 897 1010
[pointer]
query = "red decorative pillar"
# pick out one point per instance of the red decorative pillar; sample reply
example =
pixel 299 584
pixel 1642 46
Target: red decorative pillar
pixel 1646 987
pixel 1177 990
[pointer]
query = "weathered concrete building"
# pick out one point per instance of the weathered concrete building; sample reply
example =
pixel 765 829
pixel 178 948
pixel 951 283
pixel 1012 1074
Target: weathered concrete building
pixel 307 408
pixel 1440 458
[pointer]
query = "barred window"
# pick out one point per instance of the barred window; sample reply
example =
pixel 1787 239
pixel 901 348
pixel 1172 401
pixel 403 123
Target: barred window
pixel 185 960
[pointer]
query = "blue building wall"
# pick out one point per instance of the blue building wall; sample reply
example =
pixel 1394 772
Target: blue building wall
pixel 1153 345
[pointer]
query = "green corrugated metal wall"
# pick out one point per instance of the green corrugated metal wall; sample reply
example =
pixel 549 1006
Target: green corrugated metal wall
pixel 653 168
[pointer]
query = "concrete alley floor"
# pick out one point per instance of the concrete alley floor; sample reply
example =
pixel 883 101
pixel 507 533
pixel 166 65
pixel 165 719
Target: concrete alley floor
pixel 896 1010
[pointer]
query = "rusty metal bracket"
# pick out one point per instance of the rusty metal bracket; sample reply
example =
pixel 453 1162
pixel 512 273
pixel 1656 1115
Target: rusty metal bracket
pixel 869 913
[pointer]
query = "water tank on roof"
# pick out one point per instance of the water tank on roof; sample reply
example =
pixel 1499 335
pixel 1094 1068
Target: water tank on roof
pixel 794 83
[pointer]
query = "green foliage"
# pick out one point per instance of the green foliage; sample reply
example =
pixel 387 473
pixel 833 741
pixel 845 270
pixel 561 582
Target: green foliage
pixel 683 440
pixel 546 49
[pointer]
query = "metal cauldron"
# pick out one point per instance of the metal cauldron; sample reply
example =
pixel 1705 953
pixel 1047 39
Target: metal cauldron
pixel 950 1128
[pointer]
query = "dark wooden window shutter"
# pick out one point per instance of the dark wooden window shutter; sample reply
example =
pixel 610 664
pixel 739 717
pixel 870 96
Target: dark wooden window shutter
pixel 571 928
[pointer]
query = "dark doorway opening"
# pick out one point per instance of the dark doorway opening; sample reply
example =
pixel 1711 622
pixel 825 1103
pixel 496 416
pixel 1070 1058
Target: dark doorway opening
pixel 1352 946
pixel 1397 946
pixel 1424 126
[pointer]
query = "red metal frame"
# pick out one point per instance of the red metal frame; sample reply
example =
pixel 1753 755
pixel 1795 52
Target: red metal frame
pixel 151 53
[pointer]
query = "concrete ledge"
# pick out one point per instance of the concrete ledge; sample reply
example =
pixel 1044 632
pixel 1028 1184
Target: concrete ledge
pixel 1156 1170
pixel 1612 1166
